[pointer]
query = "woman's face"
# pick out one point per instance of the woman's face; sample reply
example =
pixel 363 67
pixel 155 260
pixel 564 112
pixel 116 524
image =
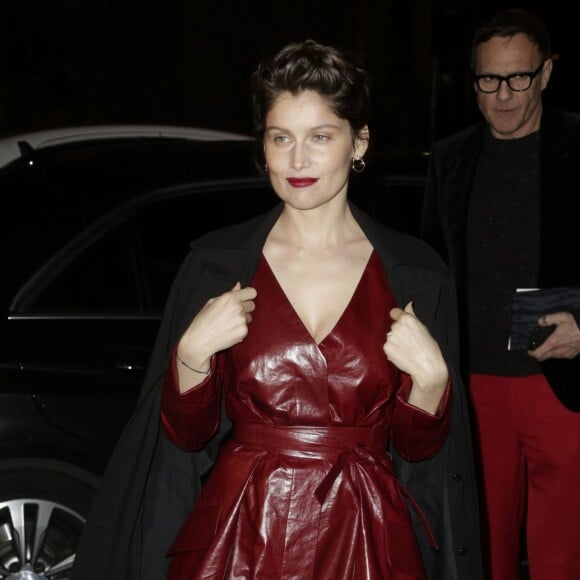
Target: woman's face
pixel 308 150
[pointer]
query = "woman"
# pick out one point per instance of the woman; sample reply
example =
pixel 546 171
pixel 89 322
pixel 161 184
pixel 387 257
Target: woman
pixel 318 365
pixel 322 335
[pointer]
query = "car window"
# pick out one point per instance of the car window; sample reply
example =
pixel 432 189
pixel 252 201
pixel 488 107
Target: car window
pixel 125 264
pixel 101 278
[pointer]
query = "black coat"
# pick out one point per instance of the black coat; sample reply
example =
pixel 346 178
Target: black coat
pixel 150 485
pixel 452 169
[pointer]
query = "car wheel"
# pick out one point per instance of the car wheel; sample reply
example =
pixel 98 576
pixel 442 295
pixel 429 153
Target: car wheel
pixel 43 507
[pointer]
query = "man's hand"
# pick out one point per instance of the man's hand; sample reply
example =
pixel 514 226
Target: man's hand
pixel 564 342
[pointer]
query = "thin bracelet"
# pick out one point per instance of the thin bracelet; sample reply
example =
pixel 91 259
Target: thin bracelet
pixel 191 368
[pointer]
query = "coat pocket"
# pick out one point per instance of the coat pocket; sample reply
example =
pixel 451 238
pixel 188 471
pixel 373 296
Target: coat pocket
pixel 198 531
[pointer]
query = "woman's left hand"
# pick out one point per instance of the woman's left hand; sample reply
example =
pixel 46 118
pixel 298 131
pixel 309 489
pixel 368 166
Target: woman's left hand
pixel 412 349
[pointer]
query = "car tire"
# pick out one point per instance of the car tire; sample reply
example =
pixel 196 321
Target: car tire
pixel 43 508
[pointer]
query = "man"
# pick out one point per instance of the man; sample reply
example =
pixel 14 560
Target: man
pixel 502 206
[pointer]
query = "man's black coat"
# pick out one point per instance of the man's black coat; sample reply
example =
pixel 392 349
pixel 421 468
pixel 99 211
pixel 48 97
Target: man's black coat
pixel 451 172
pixel 150 485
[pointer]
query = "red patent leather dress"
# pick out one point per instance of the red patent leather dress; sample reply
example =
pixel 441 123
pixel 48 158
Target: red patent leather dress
pixel 305 488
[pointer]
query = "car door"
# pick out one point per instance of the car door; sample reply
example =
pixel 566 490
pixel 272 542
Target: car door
pixel 85 323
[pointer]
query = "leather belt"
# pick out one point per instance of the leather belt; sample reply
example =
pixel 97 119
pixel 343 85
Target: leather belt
pixel 337 444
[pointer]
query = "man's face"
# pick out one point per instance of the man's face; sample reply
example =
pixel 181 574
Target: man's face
pixel 511 114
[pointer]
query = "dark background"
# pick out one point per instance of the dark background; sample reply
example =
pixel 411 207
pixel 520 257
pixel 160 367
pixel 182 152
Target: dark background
pixel 188 62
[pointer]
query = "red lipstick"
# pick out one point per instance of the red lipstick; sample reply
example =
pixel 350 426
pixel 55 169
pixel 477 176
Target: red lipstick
pixel 301 181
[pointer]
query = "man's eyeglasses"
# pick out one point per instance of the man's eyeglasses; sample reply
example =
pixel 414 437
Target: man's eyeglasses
pixel 519 81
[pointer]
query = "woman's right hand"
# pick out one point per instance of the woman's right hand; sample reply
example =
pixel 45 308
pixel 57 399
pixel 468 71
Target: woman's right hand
pixel 221 323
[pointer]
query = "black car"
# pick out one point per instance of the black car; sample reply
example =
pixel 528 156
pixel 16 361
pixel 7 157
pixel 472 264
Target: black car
pixel 94 230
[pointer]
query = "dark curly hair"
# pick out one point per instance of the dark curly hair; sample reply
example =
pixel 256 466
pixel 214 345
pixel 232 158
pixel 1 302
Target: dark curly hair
pixel 308 65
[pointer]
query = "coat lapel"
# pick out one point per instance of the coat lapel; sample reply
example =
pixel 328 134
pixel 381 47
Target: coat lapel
pixel 408 279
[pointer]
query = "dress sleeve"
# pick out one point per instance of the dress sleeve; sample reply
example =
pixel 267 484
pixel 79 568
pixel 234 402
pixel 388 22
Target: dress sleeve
pixel 415 433
pixel 191 418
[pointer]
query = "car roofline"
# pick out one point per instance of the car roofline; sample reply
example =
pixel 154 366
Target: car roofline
pixel 16 146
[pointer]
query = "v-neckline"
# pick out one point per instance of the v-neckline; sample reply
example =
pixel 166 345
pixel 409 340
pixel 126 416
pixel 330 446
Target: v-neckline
pixel 342 314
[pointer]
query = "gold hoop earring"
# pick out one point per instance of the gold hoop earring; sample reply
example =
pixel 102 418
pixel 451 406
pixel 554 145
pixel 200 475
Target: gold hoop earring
pixel 358 165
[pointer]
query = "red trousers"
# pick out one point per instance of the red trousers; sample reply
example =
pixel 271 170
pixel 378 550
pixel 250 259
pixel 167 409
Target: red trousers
pixel 530 466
